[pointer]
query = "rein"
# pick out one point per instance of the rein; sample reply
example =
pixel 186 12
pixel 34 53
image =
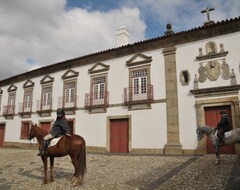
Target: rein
pixel 37 144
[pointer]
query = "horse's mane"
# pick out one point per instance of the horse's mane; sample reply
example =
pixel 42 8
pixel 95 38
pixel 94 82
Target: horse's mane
pixel 40 131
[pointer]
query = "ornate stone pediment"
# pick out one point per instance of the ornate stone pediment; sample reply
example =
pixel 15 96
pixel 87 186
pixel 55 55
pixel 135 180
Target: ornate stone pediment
pixel 139 59
pixel 28 84
pixel 47 79
pixel 12 88
pixel 70 74
pixel 98 67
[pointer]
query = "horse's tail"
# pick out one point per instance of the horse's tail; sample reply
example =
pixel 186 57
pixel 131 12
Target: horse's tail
pixel 82 168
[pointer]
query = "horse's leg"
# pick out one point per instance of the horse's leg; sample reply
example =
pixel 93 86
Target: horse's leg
pixel 218 159
pixel 75 164
pixel 51 168
pixel 44 159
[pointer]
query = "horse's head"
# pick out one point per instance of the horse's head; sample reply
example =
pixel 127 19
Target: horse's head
pixel 200 133
pixel 32 134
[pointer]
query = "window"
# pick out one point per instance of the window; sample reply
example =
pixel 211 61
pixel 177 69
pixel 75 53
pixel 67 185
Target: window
pixel 46 97
pixel 98 99
pixel 98 88
pixel 69 94
pixel 25 129
pixel 27 101
pixel 11 103
pixel 139 86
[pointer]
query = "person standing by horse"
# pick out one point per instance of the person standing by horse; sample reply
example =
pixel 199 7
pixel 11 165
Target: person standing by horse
pixel 60 127
pixel 223 125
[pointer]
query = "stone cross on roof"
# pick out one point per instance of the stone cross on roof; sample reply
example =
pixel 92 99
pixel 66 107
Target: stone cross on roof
pixel 207 10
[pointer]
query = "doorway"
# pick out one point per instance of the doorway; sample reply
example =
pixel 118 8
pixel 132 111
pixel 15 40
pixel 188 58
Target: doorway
pixel 212 117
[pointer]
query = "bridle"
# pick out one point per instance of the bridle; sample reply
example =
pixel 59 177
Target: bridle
pixel 35 143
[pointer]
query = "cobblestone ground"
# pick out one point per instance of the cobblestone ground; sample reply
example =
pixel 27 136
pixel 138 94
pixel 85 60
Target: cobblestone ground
pixel 22 169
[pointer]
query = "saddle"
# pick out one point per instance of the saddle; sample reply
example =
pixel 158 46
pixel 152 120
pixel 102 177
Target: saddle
pixel 226 135
pixel 54 141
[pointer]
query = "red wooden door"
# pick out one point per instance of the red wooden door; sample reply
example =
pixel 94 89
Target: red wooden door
pixel 46 126
pixel 71 128
pixel 2 134
pixel 212 117
pixel 119 135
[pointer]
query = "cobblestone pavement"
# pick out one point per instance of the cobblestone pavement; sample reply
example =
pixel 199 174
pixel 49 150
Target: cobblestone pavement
pixel 22 169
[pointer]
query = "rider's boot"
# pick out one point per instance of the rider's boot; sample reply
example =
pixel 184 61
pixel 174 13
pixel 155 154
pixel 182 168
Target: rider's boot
pixel 43 148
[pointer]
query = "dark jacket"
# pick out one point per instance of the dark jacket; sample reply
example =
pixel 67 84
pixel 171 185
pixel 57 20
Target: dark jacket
pixel 60 127
pixel 224 123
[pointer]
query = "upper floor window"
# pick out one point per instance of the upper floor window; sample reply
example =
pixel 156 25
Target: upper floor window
pixel 139 80
pixel 97 99
pixel 11 100
pixel 46 97
pixel 69 99
pixel 44 105
pixel 27 101
pixel 98 88
pixel 139 94
pixel 70 90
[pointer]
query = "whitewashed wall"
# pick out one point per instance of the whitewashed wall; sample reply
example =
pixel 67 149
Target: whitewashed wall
pixel 186 60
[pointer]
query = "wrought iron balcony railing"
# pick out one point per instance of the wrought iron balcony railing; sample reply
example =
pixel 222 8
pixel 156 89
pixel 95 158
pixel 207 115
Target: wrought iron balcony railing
pixel 67 103
pixel 93 100
pixel 8 110
pixel 25 107
pixel 44 105
pixel 138 94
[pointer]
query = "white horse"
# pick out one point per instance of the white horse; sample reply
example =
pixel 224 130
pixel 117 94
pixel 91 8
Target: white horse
pixel 230 137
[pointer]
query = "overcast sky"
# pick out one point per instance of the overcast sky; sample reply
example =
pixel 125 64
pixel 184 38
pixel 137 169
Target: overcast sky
pixel 35 33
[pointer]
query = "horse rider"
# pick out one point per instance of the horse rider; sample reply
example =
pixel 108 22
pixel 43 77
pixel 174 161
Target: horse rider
pixel 223 126
pixel 60 127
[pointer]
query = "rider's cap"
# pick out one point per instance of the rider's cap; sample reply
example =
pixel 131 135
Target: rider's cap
pixel 222 112
pixel 60 112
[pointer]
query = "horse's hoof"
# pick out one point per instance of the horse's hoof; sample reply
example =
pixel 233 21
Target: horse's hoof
pixel 73 179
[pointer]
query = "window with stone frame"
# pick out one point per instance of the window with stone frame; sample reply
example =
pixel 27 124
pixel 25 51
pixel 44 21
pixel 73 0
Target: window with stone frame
pixel 25 127
pixel 46 100
pixel 139 83
pixel 98 89
pixel 11 103
pixel 69 94
pixel 27 100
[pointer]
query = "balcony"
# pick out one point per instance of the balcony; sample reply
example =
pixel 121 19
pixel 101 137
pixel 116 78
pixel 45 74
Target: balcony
pixel 68 104
pixel 25 110
pixel 44 107
pixel 96 102
pixel 138 95
pixel 9 111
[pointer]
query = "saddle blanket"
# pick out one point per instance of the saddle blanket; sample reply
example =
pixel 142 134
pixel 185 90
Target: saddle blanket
pixel 54 141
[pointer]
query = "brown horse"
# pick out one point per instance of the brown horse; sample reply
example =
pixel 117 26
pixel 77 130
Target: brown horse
pixel 73 146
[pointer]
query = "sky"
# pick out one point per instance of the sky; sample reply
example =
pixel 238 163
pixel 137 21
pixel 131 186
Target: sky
pixel 36 33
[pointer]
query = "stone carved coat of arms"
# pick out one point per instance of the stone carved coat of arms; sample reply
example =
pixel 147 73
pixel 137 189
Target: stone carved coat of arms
pixel 212 71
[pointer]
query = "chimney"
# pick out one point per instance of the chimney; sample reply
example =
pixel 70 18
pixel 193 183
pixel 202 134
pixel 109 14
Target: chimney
pixel 122 36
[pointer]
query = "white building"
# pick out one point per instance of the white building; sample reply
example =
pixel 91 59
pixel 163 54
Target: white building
pixel 146 97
